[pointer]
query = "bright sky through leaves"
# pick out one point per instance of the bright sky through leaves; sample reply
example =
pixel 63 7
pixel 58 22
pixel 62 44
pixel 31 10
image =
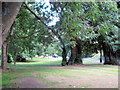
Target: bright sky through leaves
pixel 54 19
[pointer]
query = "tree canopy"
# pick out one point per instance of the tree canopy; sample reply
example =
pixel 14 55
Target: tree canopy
pixel 91 25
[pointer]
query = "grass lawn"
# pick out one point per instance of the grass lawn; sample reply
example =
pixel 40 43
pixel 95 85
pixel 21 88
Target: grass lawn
pixel 48 72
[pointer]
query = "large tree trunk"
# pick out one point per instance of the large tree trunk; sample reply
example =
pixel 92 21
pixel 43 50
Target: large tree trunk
pixel 9 13
pixel 64 55
pixel 0 26
pixel 73 55
pixel 4 56
pixel 78 59
pixel 111 60
pixel 105 53
pixel 76 53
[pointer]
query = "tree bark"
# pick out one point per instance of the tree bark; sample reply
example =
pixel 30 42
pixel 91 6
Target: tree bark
pixel 14 59
pixel 100 55
pixel 64 55
pixel 0 26
pixel 9 13
pixel 105 53
pixel 111 60
pixel 73 55
pixel 78 59
pixel 4 56
pixel 110 56
pixel 76 53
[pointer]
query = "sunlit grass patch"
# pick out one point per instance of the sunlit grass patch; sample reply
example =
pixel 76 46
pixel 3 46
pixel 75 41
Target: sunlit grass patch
pixel 41 62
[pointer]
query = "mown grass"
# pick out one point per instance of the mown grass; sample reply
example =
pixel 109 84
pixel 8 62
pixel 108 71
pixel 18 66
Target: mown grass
pixel 43 62
pixel 43 78
pixel 42 68
pixel 24 69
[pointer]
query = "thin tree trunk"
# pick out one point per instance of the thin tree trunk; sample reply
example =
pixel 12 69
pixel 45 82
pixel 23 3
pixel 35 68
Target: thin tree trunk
pixel 14 59
pixel 100 56
pixel 78 59
pixel 110 56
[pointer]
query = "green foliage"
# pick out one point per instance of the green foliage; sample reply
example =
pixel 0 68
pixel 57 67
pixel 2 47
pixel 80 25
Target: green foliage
pixel 10 58
pixel 75 19
pixel 80 19
pixel 29 36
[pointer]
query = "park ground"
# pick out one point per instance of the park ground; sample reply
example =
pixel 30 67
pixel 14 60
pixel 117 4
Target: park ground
pixel 48 73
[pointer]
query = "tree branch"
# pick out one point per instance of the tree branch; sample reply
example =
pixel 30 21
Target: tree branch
pixel 11 31
pixel 28 35
pixel 39 18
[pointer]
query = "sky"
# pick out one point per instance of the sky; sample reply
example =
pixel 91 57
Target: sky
pixel 55 19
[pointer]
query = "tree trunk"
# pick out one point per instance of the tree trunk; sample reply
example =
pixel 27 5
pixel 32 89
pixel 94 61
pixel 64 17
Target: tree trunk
pixel 78 59
pixel 14 59
pixel 64 55
pixel 9 13
pixel 105 53
pixel 111 60
pixel 4 56
pixel 73 55
pixel 100 56
pixel 0 26
pixel 76 53
pixel 110 56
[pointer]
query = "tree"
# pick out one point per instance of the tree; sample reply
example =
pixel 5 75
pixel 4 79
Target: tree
pixel 9 13
pixel 80 21
pixel 64 54
pixel 29 36
pixel 76 28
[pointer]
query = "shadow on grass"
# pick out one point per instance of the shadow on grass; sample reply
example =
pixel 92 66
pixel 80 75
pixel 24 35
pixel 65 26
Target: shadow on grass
pixel 28 61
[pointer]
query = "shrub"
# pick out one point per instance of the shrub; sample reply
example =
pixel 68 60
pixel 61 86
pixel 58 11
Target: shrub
pixel 9 58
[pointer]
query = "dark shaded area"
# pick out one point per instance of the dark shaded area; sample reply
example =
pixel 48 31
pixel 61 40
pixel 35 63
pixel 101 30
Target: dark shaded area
pixel 20 59
pixel 9 59
pixel 76 52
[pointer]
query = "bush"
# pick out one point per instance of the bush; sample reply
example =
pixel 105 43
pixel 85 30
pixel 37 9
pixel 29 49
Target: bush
pixel 9 58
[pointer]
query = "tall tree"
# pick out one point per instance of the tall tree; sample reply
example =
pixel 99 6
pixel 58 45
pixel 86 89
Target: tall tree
pixel 9 13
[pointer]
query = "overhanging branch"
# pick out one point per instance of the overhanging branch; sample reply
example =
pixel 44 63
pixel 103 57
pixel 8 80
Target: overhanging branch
pixel 39 18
